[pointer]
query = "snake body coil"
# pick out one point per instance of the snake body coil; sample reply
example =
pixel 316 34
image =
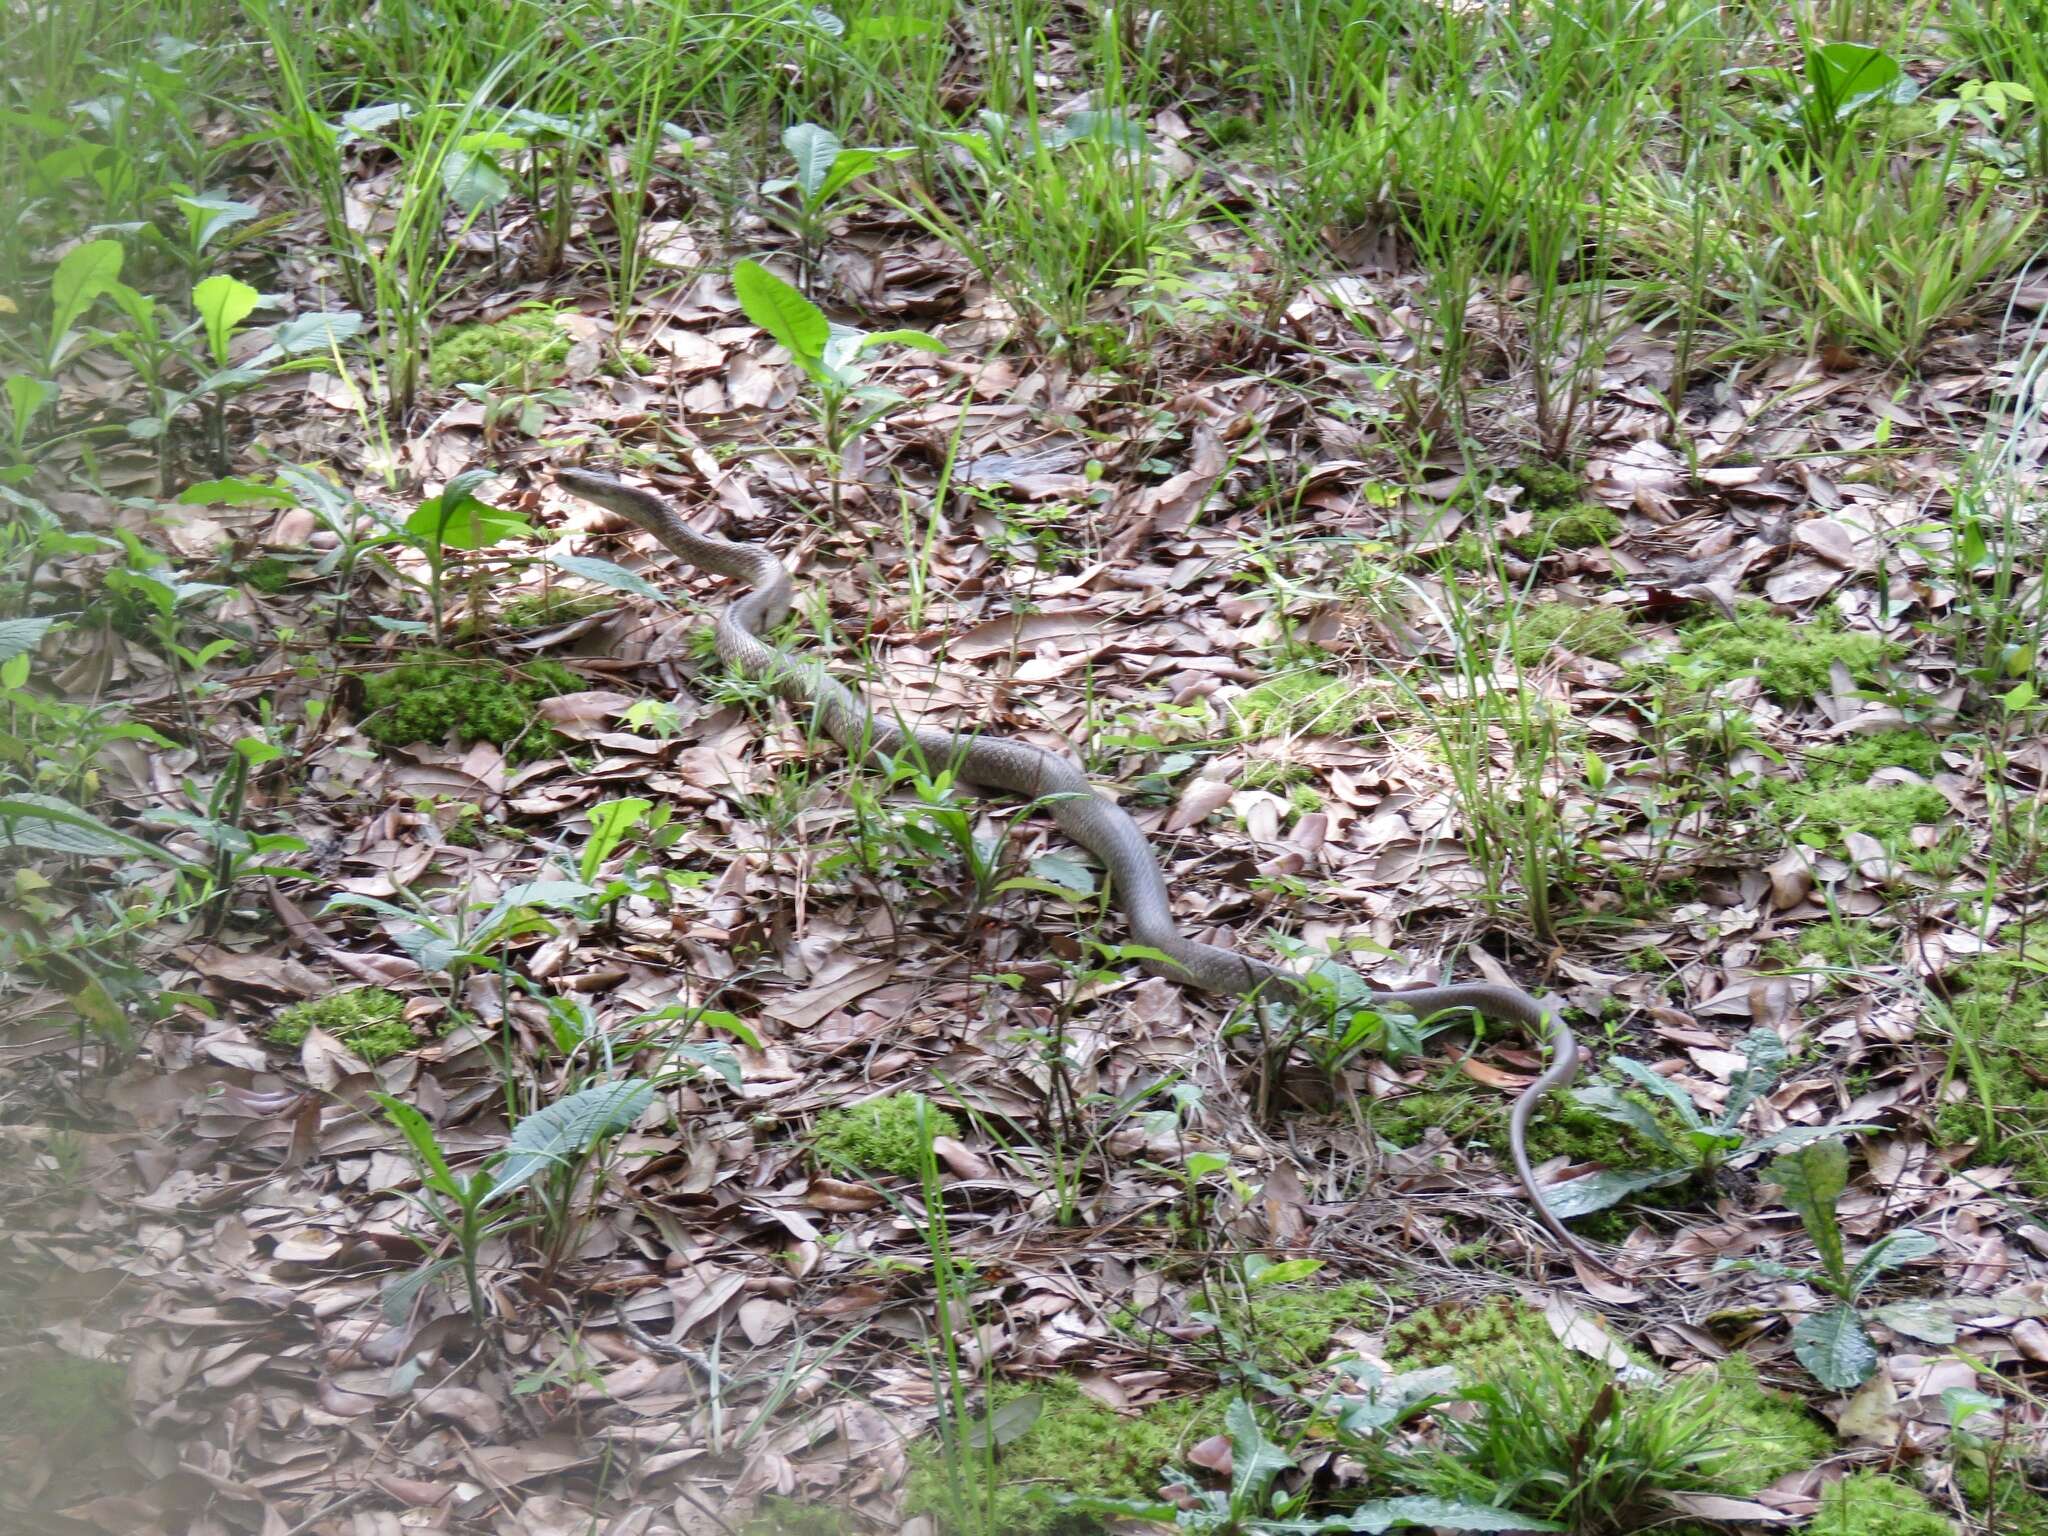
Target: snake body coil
pixel 1094 822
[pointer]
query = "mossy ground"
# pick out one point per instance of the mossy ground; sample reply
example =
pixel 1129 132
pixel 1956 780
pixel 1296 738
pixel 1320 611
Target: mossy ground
pixel 1483 1340
pixel 557 605
pixel 1468 1116
pixel 881 1136
pixel 1871 1504
pixel 1076 1446
pixel 1997 1011
pixel 1790 661
pixel 1844 944
pixel 1577 526
pixel 1303 702
pixel 369 1020
pixel 786 1517
pixel 424 700
pixel 1289 1326
pixel 65 1401
pixel 1599 632
pixel 527 347
pixel 266 574
pixel 2019 1512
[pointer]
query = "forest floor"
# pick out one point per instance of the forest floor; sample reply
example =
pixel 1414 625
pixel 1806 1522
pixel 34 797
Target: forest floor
pixel 472 1063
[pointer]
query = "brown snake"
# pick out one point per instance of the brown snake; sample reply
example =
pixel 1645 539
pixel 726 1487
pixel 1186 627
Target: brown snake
pixel 1095 822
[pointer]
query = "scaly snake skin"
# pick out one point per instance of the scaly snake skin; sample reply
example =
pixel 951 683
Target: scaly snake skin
pixel 1096 823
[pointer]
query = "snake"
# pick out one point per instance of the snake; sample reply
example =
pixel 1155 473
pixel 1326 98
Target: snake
pixel 1093 820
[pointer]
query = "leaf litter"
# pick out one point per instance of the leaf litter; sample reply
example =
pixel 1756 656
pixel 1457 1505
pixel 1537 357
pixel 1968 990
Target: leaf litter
pixel 1111 567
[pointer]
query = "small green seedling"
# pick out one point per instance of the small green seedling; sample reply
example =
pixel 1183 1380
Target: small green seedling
pixel 831 356
pixel 1834 1344
pixel 825 170
pixel 1701 1147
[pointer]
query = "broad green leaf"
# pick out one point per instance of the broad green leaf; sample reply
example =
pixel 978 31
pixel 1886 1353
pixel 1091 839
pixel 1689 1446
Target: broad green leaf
pixel 814 149
pixel 1597 1191
pixel 86 272
pixel 923 341
pixel 1255 1460
pixel 490 141
pixel 783 313
pixel 235 492
pixel 1390 1400
pixel 466 524
pixel 1070 874
pixel 1962 1404
pixel 1798 1136
pixel 26 396
pixel 1763 1057
pixel 1607 1100
pixel 1812 1179
pixel 1849 75
pixel 206 217
pixel 1376 1515
pixel 1931 1322
pixel 609 824
pixel 419 1134
pixel 43 821
pixel 1892 1251
pixel 605 574
pixel 1835 1348
pixel 1261 1271
pixel 853 163
pixel 20 636
pixel 321 331
pixel 367 122
pixel 223 302
pixel 714 1056
pixel 1202 1164
pixel 1010 1421
pixel 1663 1087
pixel 473 182
pixel 564 1131
pixel 1092 127
pixel 890 27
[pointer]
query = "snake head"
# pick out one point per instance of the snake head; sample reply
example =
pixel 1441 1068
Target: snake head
pixel 641 507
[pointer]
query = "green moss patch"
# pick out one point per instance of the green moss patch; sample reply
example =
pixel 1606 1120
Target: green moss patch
pixel 1574 527
pixel 1292 1325
pixel 1791 661
pixel 423 701
pixel 1998 1010
pixel 1598 632
pixel 369 1020
pixel 1314 703
pixel 66 1401
pixel 786 1517
pixel 1871 1504
pixel 1075 1445
pixel 881 1136
pixel 557 605
pixel 1484 1340
pixel 527 347
pixel 1842 945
